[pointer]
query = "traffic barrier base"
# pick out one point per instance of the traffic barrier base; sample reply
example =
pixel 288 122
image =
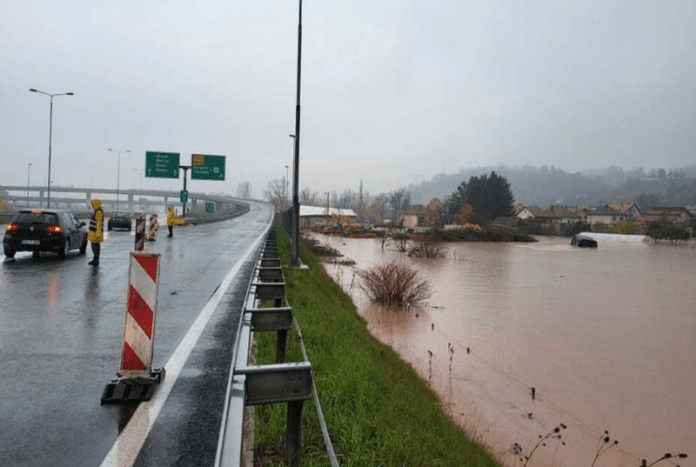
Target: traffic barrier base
pixel 122 389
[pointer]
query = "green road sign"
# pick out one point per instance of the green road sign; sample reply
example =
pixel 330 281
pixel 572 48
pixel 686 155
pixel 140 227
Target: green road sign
pixel 162 164
pixel 205 167
pixel 210 208
pixel 183 196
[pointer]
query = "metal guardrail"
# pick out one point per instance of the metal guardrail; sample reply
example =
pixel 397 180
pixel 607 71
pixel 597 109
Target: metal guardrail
pixel 282 382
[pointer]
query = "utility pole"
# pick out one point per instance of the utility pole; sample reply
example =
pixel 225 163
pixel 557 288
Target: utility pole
pixel 296 167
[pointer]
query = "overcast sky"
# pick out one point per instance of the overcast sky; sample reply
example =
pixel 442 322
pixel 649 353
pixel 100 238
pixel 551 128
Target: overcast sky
pixel 392 91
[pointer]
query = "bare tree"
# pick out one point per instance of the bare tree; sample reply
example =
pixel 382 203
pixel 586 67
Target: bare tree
pixel 275 193
pixel 309 197
pixel 244 190
pixel 399 202
pixel 347 199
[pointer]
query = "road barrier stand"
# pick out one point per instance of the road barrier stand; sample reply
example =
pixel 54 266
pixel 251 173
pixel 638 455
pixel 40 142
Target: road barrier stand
pixel 151 228
pixel 282 382
pixel 136 380
pixel 139 233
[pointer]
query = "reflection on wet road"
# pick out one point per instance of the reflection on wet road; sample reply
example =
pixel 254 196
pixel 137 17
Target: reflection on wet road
pixel 60 337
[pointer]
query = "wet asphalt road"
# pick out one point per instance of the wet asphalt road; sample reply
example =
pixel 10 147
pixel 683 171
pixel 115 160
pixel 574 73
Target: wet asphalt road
pixel 60 340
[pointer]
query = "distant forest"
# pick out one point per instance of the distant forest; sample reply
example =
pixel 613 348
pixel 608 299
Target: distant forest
pixel 543 186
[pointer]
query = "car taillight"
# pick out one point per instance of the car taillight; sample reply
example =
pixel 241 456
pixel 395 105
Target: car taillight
pixel 12 227
pixel 54 228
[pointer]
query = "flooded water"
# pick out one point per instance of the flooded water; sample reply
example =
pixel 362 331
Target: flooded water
pixel 606 337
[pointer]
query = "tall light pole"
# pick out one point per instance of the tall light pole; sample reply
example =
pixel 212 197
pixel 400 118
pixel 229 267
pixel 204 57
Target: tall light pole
pixel 327 202
pixel 287 180
pixel 118 173
pixel 293 157
pixel 28 181
pixel 50 136
pixel 296 164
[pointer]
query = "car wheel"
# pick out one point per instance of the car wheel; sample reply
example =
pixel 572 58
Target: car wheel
pixel 9 252
pixel 83 248
pixel 63 253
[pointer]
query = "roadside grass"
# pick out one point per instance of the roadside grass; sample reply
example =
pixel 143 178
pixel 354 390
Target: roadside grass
pixel 378 411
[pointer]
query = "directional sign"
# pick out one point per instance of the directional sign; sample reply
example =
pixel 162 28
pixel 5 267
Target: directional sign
pixel 162 164
pixel 210 208
pixel 183 196
pixel 205 167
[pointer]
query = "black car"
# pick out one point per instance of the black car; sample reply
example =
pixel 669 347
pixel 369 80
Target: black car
pixel 40 230
pixel 121 220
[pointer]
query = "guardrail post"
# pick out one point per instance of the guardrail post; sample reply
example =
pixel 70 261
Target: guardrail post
pixel 293 436
pixel 281 344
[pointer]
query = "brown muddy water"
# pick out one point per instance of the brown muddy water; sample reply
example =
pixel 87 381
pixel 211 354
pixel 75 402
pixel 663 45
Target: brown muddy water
pixel 606 337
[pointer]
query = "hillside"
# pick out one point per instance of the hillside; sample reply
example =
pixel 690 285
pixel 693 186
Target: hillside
pixel 549 185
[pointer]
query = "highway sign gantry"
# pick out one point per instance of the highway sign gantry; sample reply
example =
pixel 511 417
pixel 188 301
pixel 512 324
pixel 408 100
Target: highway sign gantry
pixel 161 164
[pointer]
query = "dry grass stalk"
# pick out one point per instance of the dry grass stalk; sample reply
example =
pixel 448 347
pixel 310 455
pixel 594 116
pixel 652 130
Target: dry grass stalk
pixel 393 284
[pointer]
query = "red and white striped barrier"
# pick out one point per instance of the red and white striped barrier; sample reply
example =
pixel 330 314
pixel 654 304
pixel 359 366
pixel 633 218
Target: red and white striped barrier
pixel 139 327
pixel 136 379
pixel 151 227
pixel 139 233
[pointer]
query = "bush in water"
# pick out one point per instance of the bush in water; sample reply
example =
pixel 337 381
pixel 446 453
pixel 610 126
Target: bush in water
pixel 393 284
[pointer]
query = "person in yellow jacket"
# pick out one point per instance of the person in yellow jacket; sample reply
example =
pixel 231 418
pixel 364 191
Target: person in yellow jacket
pixel 96 231
pixel 171 215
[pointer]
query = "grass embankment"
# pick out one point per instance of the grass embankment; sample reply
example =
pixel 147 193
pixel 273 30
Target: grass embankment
pixel 378 411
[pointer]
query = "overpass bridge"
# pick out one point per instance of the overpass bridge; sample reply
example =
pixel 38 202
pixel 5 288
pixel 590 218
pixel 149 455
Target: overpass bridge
pixel 131 200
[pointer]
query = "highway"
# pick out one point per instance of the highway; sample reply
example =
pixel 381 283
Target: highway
pixel 61 324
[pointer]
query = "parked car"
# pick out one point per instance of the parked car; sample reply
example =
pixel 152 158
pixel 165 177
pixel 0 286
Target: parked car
pixel 120 220
pixel 40 230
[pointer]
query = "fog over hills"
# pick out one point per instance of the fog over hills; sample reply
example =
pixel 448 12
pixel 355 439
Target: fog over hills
pixel 540 186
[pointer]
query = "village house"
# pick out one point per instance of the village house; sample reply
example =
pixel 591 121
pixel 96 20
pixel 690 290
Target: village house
pixel 413 217
pixel 311 215
pixel 604 215
pixel 630 209
pixel 558 215
pixel 550 215
pixel 528 212
pixel 673 215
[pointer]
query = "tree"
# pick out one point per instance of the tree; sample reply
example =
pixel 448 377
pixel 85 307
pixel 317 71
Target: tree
pixel 309 197
pixel 244 190
pixel 465 213
pixel 433 212
pixel 489 196
pixel 399 202
pixel 347 199
pixel 275 194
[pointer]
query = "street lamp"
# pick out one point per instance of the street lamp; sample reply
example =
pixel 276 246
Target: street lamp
pixel 28 179
pixel 296 160
pixel 118 172
pixel 50 134
pixel 327 202
pixel 287 181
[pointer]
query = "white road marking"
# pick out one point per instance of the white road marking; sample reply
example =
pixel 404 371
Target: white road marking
pixel 130 441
